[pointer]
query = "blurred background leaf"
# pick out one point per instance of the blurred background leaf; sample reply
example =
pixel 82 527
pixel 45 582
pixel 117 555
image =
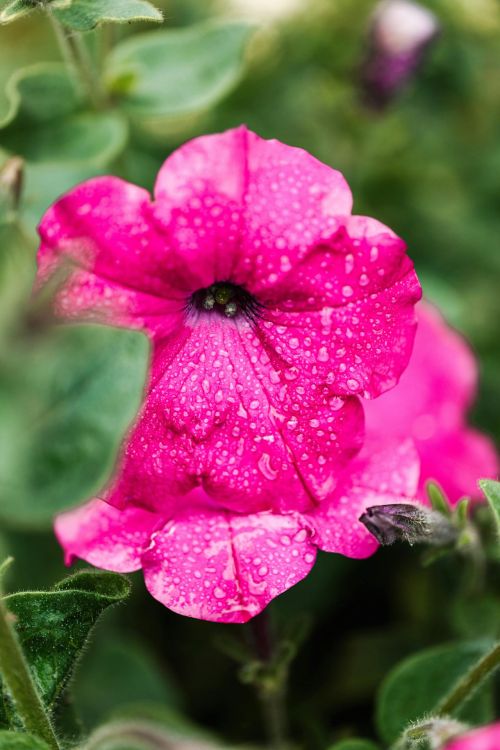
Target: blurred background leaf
pixel 166 76
pixel 66 401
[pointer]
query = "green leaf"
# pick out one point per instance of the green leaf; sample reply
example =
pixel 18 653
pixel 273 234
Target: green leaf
pixel 117 672
pixel 418 684
pixel 40 93
pixel 20 741
pixel 15 10
pixel 491 491
pixel 438 499
pixel 171 74
pixel 354 744
pixel 45 182
pixel 477 616
pixel 60 146
pixel 84 15
pixel 53 626
pixel 64 408
pixel 89 138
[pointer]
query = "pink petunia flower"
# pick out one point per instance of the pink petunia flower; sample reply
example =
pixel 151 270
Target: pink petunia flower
pixel 211 563
pixel 430 405
pixel 270 309
pixel 484 738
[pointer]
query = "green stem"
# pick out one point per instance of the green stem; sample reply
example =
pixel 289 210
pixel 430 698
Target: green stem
pixel 271 692
pixel 468 685
pixel 77 58
pixel 18 680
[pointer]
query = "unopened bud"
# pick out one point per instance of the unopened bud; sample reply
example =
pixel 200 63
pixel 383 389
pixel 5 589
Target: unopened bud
pixel 400 34
pixel 431 733
pixel 402 522
pixel 11 184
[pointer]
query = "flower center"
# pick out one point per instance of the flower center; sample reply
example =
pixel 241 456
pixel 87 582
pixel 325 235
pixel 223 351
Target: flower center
pixel 225 298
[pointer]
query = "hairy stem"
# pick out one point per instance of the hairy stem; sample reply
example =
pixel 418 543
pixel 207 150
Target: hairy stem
pixel 77 58
pixel 18 680
pixel 271 691
pixel 468 685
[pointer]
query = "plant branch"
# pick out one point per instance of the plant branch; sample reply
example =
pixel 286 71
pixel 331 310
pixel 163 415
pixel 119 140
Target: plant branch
pixel 77 58
pixel 19 682
pixel 467 686
pixel 270 682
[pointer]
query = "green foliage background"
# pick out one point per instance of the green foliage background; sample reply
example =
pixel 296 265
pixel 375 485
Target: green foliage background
pixel 428 165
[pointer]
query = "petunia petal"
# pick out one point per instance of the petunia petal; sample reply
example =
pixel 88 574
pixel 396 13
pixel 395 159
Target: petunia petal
pixel 437 387
pixel 224 567
pixel 380 475
pixel 220 416
pixel 456 460
pixel 242 208
pixel 430 404
pixel 104 536
pixel 482 738
pixel 111 261
pixel 345 315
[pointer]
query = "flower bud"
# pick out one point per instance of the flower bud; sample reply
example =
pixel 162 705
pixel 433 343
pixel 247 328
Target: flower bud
pixel 402 522
pixel 431 733
pixel 400 34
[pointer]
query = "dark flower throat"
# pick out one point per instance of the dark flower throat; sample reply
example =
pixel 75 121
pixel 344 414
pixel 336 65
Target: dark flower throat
pixel 227 299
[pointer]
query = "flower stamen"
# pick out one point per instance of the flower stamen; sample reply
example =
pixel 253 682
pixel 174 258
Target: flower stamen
pixel 227 299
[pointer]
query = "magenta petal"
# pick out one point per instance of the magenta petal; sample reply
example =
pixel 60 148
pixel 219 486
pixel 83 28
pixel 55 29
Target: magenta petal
pixel 225 567
pixel 346 313
pixel 221 416
pixel 380 475
pixel 105 537
pixel 244 208
pixel 430 405
pixel 456 460
pixel 483 738
pixel 113 263
pixel 438 386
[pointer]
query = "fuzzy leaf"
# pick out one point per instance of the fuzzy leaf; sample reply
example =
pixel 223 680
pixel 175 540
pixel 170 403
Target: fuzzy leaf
pixel 175 73
pixel 89 138
pixel 418 684
pixel 84 15
pixel 15 10
pixel 53 626
pixel 491 491
pixel 68 400
pixel 20 741
pixel 40 93
pixel 69 147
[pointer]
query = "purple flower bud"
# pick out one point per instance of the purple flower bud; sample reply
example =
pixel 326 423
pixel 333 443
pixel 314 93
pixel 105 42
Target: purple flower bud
pixel 403 522
pixel 400 34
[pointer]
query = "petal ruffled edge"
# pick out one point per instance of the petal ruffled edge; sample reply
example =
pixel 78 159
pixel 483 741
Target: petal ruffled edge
pixel 378 476
pixel 225 567
pixel 105 536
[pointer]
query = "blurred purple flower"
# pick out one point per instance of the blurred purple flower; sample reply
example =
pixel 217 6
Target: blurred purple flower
pixel 400 34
